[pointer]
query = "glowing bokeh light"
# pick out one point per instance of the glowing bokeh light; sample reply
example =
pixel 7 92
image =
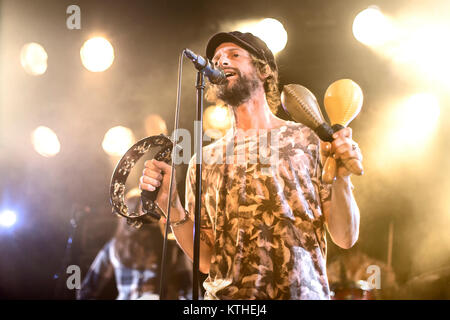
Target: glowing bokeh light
pixel 117 141
pixel 271 31
pixel 414 42
pixel 97 54
pixel 372 27
pixel 216 121
pixel 33 59
pixel 7 218
pixel 155 125
pixel 423 49
pixel 415 121
pixel 45 142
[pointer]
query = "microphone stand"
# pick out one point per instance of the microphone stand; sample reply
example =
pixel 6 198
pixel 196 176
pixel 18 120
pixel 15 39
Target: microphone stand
pixel 203 68
pixel 58 276
pixel 200 86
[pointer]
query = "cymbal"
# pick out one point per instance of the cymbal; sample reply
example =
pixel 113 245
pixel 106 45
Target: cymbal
pixel 434 284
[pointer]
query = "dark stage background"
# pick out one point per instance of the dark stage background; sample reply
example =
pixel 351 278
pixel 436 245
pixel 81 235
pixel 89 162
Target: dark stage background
pixel 407 188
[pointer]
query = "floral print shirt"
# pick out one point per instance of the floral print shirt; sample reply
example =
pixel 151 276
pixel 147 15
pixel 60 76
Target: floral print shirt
pixel 262 197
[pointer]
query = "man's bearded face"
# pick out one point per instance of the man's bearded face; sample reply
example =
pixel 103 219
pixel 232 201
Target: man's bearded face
pixel 240 90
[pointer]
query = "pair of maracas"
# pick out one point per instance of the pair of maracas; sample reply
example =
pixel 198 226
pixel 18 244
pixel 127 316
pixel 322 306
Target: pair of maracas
pixel 343 102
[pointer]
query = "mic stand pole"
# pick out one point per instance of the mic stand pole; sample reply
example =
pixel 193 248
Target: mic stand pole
pixel 198 181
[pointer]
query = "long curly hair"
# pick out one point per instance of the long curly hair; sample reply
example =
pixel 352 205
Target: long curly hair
pixel 270 83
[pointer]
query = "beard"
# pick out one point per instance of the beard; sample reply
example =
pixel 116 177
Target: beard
pixel 240 92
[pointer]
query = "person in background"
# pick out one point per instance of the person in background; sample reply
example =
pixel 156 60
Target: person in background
pixel 133 258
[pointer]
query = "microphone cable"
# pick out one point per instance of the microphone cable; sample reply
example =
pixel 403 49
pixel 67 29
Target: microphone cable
pixel 162 287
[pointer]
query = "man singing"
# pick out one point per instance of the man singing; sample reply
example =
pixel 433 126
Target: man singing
pixel 262 223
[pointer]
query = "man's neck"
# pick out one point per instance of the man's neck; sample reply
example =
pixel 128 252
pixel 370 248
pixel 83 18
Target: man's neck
pixel 255 114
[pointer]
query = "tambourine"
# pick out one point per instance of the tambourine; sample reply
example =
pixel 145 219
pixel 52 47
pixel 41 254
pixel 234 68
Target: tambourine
pixel 117 191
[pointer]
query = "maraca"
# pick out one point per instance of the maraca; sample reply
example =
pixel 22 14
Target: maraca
pixel 302 106
pixel 343 101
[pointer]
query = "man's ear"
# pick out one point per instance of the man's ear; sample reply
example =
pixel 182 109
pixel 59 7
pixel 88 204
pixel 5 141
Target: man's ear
pixel 265 72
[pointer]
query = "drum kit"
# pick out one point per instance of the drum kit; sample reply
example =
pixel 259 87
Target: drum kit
pixel 343 288
pixel 351 290
pixel 431 285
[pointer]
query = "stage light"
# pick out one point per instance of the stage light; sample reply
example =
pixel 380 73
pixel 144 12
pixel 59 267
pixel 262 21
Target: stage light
pixel 216 121
pixel 270 30
pixel 45 142
pixel 219 117
pixel 155 125
pixel 424 50
pixel 117 141
pixel 414 42
pixel 7 218
pixel 33 59
pixel 372 27
pixel 97 54
pixel 416 119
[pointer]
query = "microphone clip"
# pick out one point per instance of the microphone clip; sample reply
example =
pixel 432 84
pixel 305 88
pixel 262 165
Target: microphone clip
pixel 215 76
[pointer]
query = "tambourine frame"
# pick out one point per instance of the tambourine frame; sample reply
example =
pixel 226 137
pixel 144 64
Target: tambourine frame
pixel 118 180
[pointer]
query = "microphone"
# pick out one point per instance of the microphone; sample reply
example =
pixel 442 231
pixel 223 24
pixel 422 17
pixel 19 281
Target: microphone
pixel 215 76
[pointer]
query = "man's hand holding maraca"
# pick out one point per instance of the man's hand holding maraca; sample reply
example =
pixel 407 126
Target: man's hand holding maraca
pixel 342 212
pixel 342 149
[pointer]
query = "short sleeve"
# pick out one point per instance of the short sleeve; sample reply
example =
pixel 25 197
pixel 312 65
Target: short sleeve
pixel 205 221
